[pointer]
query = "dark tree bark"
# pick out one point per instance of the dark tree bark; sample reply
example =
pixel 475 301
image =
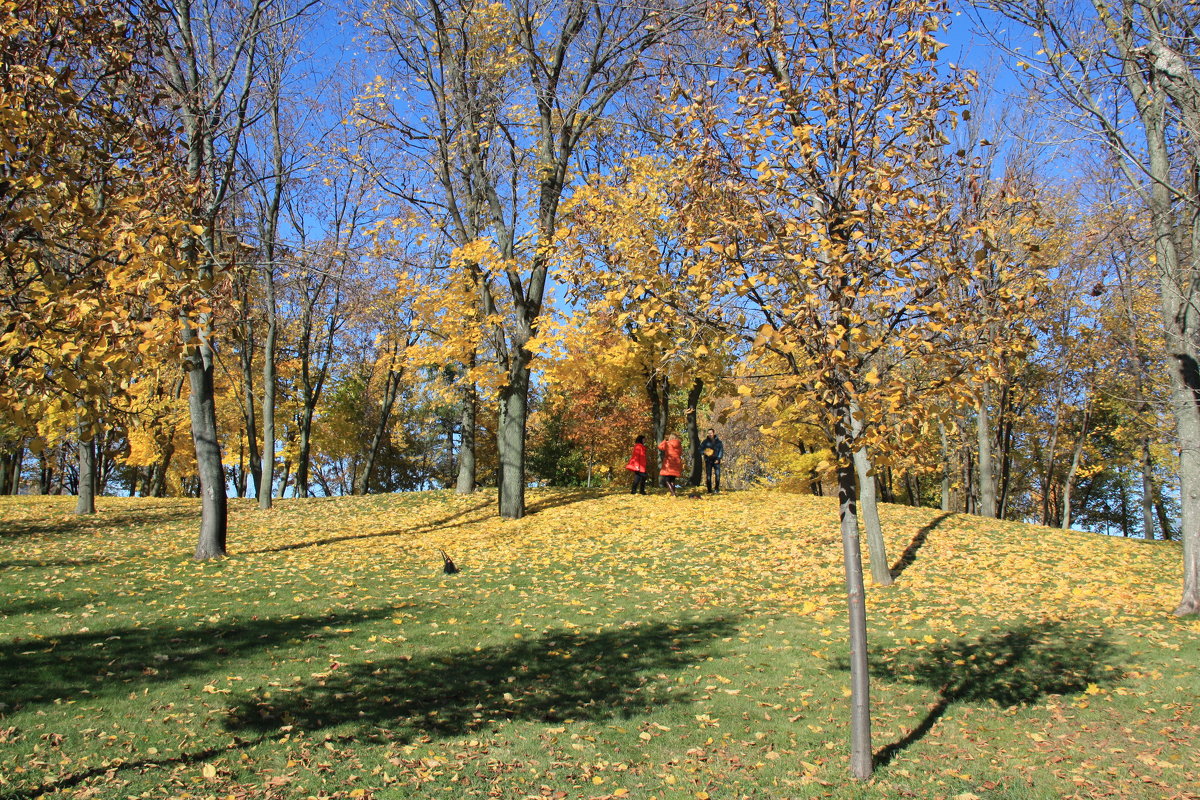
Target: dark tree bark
pixel 693 431
pixel 658 391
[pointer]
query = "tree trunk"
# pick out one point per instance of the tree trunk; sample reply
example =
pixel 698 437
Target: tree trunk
pixel 860 700
pixel 1147 491
pixel 693 431
pixel 1048 471
pixel 45 473
pixel 1076 457
pixel 391 388
pixel 946 466
pixel 12 476
pixel 160 471
pixel 514 414
pixel 86 503
pixel 303 457
pixel 249 412
pixel 913 485
pixel 660 406
pixel 881 571
pixel 466 443
pixel 202 407
pixel 987 468
pixel 267 464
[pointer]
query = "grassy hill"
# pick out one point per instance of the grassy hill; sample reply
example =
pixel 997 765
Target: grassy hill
pixel 604 646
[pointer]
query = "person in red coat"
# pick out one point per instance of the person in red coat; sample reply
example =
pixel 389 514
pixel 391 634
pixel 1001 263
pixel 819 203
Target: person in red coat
pixel 637 465
pixel 672 461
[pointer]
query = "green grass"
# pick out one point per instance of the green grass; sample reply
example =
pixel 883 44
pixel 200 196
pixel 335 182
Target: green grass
pixel 604 646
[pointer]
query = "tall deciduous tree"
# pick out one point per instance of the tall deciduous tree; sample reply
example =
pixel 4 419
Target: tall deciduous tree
pixel 86 223
pixel 207 56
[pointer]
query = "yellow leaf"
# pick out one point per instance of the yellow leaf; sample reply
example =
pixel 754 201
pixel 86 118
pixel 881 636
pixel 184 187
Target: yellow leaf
pixel 208 771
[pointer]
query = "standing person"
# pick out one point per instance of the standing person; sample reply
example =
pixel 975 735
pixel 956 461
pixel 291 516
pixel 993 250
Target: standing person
pixel 637 465
pixel 672 461
pixel 713 451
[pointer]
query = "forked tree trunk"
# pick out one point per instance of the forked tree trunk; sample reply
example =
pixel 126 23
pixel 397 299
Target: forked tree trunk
pixel 860 698
pixel 881 571
pixel 391 388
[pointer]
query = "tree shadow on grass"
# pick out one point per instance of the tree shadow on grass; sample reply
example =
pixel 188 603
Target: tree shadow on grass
pixel 427 527
pixel 559 676
pixel 565 498
pixel 115 660
pixel 918 541
pixel 1009 668
pixel 86 524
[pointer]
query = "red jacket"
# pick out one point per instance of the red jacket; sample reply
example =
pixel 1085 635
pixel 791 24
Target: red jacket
pixel 672 461
pixel 637 462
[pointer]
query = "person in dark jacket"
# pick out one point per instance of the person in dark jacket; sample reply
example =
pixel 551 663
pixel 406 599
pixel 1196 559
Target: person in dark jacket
pixel 713 451
pixel 637 465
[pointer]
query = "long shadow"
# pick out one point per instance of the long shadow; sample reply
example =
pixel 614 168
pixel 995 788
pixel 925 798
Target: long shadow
pixel 74 779
pixel 114 660
pixel 560 675
pixel 88 524
pixel 352 537
pixel 1009 668
pixel 918 541
pixel 561 499
pixel 14 563
pixel 47 602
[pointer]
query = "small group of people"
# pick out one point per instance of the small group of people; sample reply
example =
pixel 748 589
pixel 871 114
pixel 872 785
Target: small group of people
pixel 671 467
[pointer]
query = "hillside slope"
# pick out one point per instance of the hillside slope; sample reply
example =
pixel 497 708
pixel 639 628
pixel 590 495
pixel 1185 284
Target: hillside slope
pixel 604 646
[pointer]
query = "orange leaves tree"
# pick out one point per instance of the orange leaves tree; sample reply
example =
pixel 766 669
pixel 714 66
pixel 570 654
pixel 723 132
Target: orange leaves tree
pixel 812 180
pixel 87 236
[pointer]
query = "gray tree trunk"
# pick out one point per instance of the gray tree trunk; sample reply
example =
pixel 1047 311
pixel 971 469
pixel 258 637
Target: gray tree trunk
pixel 267 484
pixel 86 502
pixel 860 687
pixel 466 443
pixel 658 391
pixel 946 466
pixel 214 511
pixel 868 504
pixel 987 467
pixel 514 414
pixel 1147 490
pixel 1076 458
